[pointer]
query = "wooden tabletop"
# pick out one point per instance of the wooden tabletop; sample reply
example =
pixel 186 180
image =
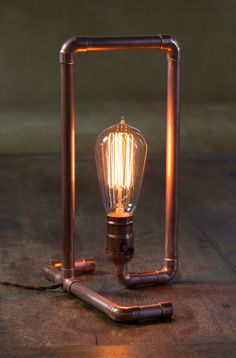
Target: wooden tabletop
pixel 52 323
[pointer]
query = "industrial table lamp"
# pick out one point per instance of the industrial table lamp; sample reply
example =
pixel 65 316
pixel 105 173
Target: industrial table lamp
pixel 120 153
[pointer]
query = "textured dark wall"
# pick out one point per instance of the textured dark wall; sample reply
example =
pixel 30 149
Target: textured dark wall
pixel 32 31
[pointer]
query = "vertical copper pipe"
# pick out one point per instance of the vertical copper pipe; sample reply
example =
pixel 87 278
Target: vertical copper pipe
pixel 172 158
pixel 68 167
pixel 170 263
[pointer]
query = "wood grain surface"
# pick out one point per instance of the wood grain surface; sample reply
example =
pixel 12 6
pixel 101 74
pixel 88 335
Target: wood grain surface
pixel 52 323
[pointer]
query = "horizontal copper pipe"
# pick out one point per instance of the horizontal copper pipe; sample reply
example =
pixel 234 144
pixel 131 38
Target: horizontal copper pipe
pixel 82 266
pixel 162 310
pixel 83 44
pixel 53 270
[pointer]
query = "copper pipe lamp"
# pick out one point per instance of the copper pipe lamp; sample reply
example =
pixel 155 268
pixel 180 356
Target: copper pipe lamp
pixel 120 158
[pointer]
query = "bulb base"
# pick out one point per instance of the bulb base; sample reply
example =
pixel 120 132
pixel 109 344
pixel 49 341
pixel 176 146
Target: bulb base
pixel 120 239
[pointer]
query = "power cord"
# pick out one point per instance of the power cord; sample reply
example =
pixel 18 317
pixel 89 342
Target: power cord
pixel 31 287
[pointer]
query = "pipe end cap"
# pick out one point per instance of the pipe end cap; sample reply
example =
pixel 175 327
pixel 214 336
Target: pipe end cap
pixel 167 309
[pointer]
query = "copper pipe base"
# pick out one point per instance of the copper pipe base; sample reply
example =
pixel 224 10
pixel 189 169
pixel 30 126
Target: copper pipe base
pixel 162 310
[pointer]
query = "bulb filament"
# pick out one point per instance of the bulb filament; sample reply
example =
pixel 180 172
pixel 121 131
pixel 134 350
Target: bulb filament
pixel 120 167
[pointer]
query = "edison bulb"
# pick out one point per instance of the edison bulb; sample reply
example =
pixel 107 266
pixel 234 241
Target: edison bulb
pixel 120 153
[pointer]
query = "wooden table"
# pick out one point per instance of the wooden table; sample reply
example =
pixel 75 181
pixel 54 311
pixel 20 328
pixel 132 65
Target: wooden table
pixel 43 324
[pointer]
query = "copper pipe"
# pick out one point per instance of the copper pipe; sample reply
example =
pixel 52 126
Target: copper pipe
pixel 166 273
pixel 53 270
pixel 81 44
pixel 170 264
pixel 52 273
pixel 68 168
pixel 162 310
pixel 81 266
pixel 114 311
pixel 68 50
pixel 172 157
pixel 84 44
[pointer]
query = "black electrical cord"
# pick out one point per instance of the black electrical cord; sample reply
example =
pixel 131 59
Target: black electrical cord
pixel 31 287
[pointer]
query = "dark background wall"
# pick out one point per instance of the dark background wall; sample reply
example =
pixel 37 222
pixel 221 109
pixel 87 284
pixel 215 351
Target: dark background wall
pixel 32 31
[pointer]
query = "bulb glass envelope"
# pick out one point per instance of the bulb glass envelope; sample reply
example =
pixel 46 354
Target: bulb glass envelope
pixel 120 154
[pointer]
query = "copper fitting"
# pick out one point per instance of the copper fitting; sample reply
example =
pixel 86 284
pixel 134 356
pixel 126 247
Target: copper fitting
pixel 116 312
pixel 146 278
pixel 53 270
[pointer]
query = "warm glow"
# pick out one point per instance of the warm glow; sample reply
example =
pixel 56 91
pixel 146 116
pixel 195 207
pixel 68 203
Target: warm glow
pixel 120 157
pixel 57 264
pixel 169 151
pixel 120 166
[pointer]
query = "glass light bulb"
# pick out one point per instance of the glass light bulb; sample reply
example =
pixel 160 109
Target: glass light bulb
pixel 120 153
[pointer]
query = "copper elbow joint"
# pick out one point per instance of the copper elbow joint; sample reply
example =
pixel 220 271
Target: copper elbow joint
pixel 163 310
pixel 163 275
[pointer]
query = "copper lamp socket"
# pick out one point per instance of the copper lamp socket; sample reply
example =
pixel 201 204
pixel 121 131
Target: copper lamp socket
pixel 120 239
